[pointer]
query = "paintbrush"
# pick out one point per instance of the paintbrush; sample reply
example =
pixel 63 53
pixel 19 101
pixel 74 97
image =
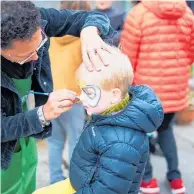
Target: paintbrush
pixel 77 98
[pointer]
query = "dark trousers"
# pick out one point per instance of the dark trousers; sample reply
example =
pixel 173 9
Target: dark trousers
pixel 167 144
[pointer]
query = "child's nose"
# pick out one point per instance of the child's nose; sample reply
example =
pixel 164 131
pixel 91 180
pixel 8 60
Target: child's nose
pixel 81 97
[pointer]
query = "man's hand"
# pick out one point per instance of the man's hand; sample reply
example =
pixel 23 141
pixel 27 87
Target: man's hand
pixel 92 45
pixel 59 102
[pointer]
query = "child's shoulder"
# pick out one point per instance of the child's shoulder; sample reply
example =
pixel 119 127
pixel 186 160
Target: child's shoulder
pixel 118 134
pixel 109 136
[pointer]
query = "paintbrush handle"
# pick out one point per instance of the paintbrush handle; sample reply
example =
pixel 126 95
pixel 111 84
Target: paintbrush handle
pixel 39 93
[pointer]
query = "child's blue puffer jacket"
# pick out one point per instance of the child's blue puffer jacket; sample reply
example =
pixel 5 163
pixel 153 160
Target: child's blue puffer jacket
pixel 112 152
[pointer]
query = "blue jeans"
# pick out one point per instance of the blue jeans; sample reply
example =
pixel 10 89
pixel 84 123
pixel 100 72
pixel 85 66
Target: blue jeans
pixel 167 144
pixel 69 124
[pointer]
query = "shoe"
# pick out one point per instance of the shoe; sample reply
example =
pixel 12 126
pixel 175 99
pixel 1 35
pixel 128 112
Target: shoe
pixel 177 186
pixel 150 187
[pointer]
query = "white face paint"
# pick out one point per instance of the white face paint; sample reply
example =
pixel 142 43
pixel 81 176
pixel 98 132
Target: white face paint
pixel 90 95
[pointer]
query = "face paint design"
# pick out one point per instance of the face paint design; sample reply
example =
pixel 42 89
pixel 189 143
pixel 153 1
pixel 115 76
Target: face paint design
pixel 91 95
pixel 81 83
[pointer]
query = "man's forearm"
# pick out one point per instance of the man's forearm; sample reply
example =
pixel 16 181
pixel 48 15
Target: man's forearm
pixel 63 22
pixel 21 125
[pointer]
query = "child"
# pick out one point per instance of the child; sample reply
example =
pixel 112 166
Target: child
pixel 113 148
pixel 158 38
pixel 116 16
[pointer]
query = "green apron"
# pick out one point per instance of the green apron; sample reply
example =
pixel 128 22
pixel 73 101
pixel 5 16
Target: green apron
pixel 20 177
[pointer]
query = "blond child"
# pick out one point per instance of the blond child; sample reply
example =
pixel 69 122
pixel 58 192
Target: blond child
pixel 112 151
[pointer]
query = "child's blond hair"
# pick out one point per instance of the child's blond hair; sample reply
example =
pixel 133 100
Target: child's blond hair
pixel 118 74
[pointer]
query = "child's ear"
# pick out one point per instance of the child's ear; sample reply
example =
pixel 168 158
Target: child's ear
pixel 116 96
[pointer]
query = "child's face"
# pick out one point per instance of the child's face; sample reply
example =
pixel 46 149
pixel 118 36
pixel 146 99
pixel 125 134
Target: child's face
pixel 98 94
pixel 94 99
pixel 103 5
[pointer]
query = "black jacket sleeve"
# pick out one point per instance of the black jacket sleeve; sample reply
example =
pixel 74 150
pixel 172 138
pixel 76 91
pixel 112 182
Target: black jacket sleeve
pixel 69 22
pixel 22 125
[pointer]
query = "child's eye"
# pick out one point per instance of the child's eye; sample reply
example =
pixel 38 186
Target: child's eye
pixel 91 95
pixel 89 92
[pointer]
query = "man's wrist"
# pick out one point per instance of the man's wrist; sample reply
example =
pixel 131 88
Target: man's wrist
pixel 41 117
pixel 91 29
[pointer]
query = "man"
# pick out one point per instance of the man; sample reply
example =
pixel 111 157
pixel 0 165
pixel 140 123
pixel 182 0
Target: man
pixel 25 32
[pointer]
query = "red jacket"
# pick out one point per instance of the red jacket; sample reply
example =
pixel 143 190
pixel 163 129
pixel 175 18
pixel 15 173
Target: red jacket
pixel 158 38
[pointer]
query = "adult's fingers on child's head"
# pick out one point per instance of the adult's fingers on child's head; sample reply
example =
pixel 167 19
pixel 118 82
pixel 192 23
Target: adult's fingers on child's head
pixel 86 60
pixel 103 55
pixel 95 60
pixel 110 49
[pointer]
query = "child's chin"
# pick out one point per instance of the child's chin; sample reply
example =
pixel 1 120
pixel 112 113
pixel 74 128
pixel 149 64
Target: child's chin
pixel 89 113
pixel 92 112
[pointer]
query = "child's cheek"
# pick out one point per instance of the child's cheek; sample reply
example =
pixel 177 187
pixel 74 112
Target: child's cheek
pixel 84 99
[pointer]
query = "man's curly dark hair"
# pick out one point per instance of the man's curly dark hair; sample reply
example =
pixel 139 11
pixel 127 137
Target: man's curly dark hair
pixel 19 21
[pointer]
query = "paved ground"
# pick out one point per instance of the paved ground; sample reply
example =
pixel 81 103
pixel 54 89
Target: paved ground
pixel 185 143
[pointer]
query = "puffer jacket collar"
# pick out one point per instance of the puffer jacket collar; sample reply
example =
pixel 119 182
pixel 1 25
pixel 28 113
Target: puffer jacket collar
pixel 143 105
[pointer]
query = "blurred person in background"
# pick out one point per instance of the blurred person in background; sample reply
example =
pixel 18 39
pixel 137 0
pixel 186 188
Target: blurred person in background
pixel 65 56
pixel 158 38
pixel 116 16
